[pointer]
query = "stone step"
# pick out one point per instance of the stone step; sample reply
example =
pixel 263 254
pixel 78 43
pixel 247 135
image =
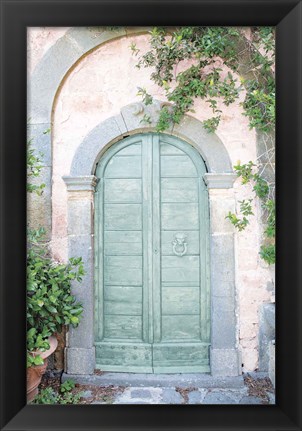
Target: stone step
pixel 157 380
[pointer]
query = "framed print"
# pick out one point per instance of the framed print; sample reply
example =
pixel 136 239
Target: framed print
pixel 150 189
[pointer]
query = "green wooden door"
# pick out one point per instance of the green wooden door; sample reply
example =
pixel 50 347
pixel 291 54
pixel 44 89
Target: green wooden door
pixel 152 286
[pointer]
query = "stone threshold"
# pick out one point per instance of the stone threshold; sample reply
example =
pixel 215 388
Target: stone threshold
pixel 157 380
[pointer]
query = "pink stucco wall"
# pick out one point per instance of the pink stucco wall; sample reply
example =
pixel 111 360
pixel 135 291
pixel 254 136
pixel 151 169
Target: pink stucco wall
pixel 96 88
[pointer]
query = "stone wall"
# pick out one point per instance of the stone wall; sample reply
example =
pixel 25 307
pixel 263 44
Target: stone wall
pixel 98 84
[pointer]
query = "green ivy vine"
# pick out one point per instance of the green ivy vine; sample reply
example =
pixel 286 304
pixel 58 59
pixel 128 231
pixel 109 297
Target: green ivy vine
pixel 50 304
pixel 249 55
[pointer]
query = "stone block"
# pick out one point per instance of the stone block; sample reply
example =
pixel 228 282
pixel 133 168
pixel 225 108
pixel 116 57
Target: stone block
pixel 89 37
pixel 135 381
pixel 133 115
pixel 80 187
pixel 217 398
pixel 271 363
pixel 170 396
pixel 89 150
pixel 197 396
pixel 271 397
pixel 222 265
pixel 250 400
pixel 87 394
pixel 40 141
pixel 79 360
pixel 266 333
pixel 210 146
pixel 47 77
pixel 219 208
pixel 140 393
pixel 39 207
pixel 220 181
pixel 82 246
pixel 80 217
pixel 225 362
pixel 223 327
pixel 82 336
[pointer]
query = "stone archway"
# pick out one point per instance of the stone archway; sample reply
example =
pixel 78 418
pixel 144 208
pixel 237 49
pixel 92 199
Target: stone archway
pixel 224 354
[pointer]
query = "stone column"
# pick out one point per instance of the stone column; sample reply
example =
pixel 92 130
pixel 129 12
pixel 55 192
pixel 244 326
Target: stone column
pixel 225 358
pixel 80 352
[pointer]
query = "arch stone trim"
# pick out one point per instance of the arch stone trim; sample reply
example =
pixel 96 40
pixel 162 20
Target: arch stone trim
pixel 129 121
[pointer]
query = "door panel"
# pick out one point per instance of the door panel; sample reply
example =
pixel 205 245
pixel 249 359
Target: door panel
pixel 124 167
pixel 123 190
pixel 169 357
pixel 180 300
pixel 124 357
pixel 180 328
pixel 177 166
pixel 179 190
pixel 180 216
pixel 123 270
pixel 125 242
pixel 121 326
pixel 179 269
pixel 123 217
pixel 152 310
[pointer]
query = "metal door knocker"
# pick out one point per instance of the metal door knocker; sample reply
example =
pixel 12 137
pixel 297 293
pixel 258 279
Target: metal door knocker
pixel 179 244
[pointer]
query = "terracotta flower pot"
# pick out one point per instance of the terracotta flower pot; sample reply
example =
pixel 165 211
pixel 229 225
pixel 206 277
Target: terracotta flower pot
pixel 35 372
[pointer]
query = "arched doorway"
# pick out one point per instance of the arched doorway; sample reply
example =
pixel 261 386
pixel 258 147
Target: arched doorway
pixel 152 309
pixel 81 184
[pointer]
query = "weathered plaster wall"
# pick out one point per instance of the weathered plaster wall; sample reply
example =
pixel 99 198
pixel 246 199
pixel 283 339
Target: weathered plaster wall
pixel 97 88
pixel 39 40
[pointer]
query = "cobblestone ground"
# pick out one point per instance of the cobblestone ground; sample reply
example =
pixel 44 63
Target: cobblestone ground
pixel 152 395
pixel 251 391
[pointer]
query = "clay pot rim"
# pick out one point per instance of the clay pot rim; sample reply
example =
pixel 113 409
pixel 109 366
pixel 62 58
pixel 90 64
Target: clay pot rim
pixel 53 342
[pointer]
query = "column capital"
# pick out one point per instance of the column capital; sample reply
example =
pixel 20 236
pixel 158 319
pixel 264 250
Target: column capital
pixel 220 181
pixel 81 183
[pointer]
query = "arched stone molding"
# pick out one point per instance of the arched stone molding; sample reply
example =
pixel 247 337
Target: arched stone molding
pixel 129 121
pixel 225 357
pixel 56 64
pixel 43 88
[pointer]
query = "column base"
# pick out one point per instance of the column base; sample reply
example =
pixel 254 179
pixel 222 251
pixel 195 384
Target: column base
pixel 79 360
pixel 225 362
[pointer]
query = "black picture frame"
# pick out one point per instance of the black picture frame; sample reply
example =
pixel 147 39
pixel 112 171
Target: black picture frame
pixel 15 17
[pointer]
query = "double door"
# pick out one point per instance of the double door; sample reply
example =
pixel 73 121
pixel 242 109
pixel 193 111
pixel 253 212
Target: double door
pixel 152 309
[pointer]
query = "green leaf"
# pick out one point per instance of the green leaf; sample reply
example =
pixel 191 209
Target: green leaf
pixel 38 360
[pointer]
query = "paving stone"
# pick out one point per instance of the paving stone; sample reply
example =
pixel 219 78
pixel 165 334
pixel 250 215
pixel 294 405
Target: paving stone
pixel 170 396
pixel 234 395
pixel 250 400
pixel 271 397
pixel 140 393
pixel 139 396
pixel 86 394
pixel 194 397
pixel 217 398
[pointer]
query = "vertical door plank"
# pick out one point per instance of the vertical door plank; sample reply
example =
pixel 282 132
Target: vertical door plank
pixel 156 241
pixel 147 239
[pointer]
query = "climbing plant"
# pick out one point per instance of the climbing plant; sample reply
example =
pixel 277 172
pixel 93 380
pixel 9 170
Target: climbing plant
pixel 217 64
pixel 50 305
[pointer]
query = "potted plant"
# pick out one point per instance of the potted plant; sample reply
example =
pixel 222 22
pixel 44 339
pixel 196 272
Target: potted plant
pixel 50 305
